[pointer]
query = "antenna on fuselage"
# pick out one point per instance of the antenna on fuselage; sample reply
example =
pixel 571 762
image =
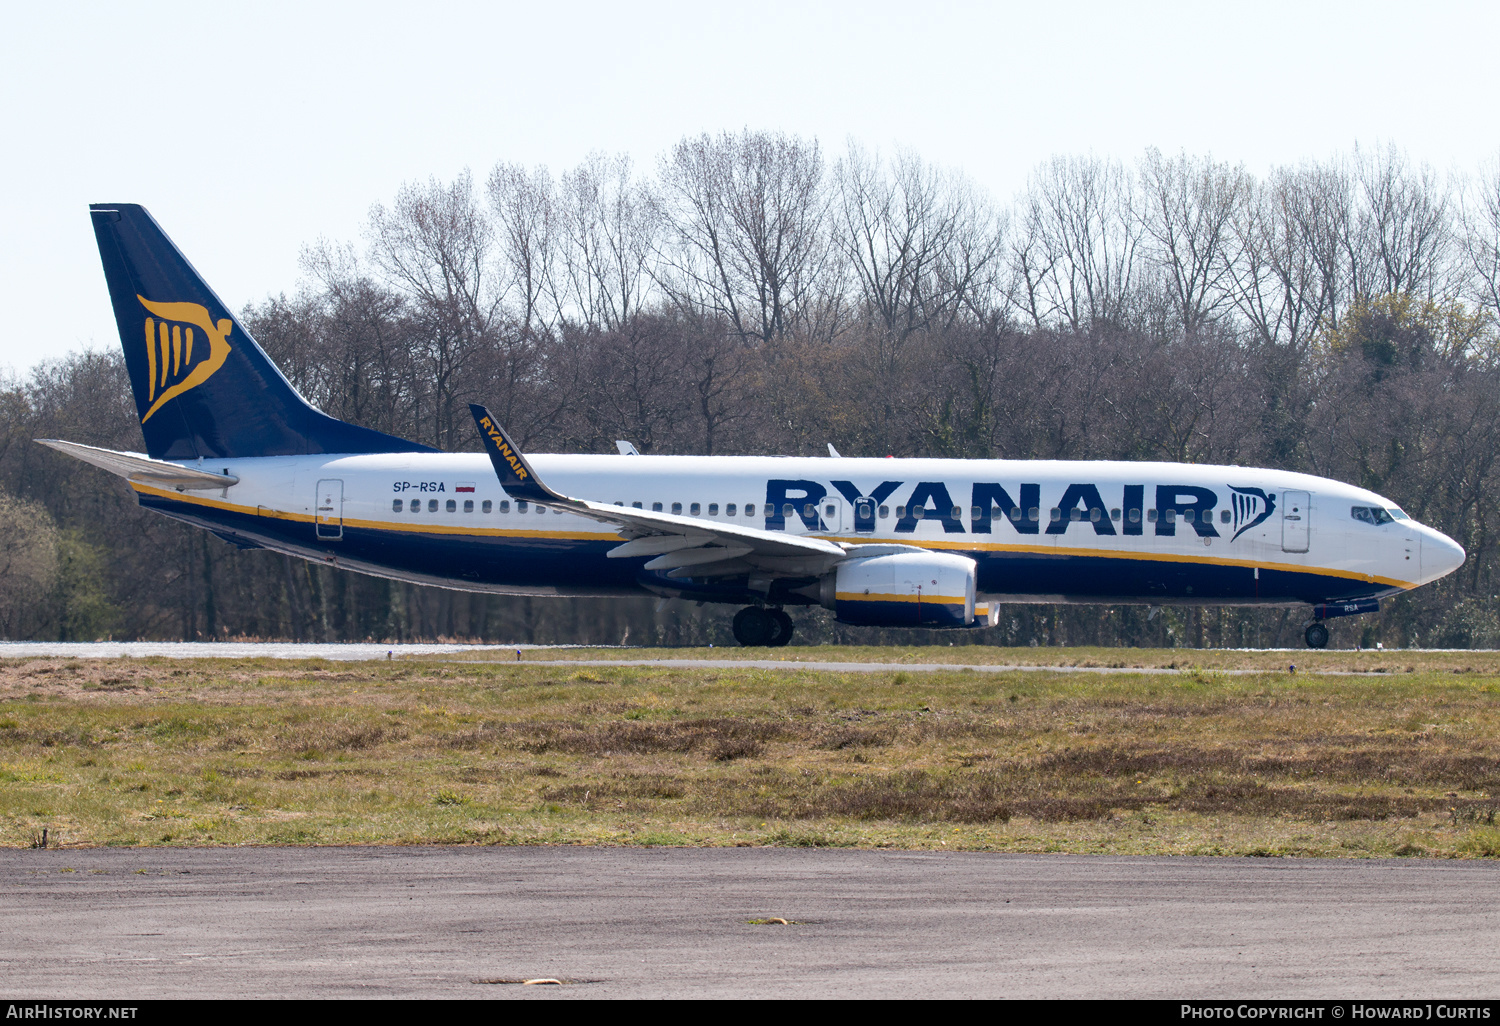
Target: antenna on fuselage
pixel 833 452
pixel 626 449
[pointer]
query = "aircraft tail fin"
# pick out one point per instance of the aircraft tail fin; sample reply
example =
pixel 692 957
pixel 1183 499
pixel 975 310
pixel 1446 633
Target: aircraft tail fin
pixel 203 388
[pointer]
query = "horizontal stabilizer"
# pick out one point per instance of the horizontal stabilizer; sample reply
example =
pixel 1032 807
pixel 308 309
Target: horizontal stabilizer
pixel 134 466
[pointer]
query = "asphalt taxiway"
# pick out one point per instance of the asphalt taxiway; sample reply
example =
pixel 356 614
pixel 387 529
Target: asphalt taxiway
pixel 672 922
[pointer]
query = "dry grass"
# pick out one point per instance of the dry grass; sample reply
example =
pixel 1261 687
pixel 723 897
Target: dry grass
pixel 1335 660
pixel 235 752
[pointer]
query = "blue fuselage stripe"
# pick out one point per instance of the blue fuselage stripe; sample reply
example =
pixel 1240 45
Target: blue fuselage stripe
pixel 530 561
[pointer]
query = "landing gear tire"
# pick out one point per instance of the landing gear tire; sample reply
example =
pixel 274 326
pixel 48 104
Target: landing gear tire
pixel 1316 636
pixel 754 627
pixel 783 628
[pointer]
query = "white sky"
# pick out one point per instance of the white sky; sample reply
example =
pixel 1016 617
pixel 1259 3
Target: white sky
pixel 253 129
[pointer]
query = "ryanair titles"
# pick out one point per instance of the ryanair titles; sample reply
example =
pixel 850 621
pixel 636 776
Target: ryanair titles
pixel 1079 507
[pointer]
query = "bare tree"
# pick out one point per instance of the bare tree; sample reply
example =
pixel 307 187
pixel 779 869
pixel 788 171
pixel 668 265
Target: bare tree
pixel 525 209
pixel 1480 241
pixel 1283 278
pixel 612 223
pixel 434 245
pixel 747 216
pixel 923 245
pixel 1400 240
pixel 1075 253
pixel 1187 214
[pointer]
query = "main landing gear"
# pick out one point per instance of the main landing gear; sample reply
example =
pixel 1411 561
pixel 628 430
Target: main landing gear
pixel 1316 635
pixel 755 627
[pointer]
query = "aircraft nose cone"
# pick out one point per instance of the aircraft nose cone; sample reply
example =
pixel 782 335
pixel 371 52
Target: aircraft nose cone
pixel 1441 555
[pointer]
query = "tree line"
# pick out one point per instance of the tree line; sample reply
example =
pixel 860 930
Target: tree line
pixel 750 293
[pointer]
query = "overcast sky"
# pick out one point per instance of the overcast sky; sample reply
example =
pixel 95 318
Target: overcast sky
pixel 250 131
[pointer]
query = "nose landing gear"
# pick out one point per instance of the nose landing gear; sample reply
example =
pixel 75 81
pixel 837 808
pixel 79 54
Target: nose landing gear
pixel 755 627
pixel 1316 635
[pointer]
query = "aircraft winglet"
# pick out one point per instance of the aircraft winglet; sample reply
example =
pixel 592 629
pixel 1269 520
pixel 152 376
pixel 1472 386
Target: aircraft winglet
pixel 515 474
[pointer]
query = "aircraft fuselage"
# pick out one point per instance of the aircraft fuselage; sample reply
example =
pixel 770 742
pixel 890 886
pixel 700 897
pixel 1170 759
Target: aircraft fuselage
pixel 1039 531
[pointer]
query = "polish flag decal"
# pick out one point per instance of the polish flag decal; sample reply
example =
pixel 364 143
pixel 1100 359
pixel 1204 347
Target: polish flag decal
pixel 464 486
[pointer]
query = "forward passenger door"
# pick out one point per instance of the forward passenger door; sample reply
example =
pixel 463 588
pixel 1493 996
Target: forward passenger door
pixel 1296 517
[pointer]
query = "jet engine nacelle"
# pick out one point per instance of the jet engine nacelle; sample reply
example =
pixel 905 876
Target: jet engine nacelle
pixel 915 589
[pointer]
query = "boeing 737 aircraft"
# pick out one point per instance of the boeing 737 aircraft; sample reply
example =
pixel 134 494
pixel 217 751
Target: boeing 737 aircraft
pixel 935 543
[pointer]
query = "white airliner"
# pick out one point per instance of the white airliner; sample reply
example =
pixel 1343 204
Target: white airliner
pixel 929 543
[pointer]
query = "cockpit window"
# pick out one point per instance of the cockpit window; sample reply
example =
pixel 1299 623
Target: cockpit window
pixel 1397 513
pixel 1371 515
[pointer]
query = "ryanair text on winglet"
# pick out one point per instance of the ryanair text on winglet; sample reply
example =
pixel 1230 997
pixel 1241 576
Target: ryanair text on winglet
pixel 503 446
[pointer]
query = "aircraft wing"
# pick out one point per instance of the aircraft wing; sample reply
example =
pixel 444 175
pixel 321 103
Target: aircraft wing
pixel 135 466
pixel 684 546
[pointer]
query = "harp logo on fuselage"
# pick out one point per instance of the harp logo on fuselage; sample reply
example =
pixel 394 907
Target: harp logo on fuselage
pixel 176 359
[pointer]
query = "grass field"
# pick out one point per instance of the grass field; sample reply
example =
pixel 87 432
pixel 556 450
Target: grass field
pixel 146 752
pixel 1336 661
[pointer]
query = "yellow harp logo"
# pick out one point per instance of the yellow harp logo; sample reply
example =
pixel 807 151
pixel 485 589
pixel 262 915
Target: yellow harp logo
pixel 171 345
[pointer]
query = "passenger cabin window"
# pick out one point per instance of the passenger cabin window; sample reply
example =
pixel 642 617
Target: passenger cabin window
pixel 1016 514
pixel 1056 514
pixel 486 506
pixel 788 510
pixel 1223 516
pixel 636 505
pixel 1373 515
pixel 713 509
pixel 900 512
pixel 452 505
pixel 656 507
pixel 828 511
pixel 749 509
pixel 1034 514
pixel 432 505
pixel 693 510
pixel 396 506
pixel 1187 515
pixel 884 511
pixel 522 506
pixel 1135 516
pixel 918 512
pixel 729 510
pixel 1114 514
pixel 677 508
pixel 504 505
pixel 1150 516
pixel 809 510
pixel 468 505
pixel 541 511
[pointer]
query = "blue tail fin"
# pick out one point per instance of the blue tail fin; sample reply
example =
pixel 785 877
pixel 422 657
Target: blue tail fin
pixel 203 388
